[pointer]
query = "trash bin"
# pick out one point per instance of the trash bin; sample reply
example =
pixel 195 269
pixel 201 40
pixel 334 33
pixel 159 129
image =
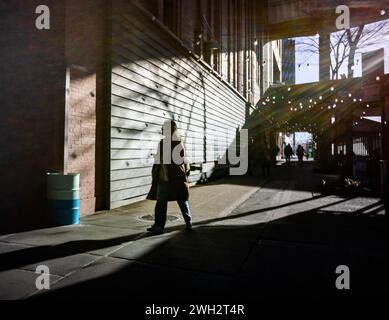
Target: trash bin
pixel 63 198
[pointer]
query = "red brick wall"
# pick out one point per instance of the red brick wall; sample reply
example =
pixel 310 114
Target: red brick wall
pixel 85 31
pixel 32 100
pixel 82 135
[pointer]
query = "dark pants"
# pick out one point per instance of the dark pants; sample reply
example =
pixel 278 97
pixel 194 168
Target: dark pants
pixel 163 191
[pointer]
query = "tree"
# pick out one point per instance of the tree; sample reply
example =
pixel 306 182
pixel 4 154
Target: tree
pixel 346 43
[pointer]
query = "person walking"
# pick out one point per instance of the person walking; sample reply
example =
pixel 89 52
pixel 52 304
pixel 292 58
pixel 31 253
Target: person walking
pixel 288 151
pixel 266 162
pixel 300 153
pixel 169 179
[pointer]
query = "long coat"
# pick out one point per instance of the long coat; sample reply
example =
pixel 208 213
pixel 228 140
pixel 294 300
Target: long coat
pixel 178 182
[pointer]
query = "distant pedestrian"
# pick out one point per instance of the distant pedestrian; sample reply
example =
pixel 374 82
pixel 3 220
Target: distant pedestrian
pixel 169 180
pixel 275 152
pixel 266 162
pixel 288 151
pixel 300 153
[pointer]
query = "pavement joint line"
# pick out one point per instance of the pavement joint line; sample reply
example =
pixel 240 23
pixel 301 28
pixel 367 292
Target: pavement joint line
pixel 28 295
pixel 168 267
pixel 6 236
pixel 18 243
pixel 258 238
pixel 68 275
pixel 296 244
pixel 227 211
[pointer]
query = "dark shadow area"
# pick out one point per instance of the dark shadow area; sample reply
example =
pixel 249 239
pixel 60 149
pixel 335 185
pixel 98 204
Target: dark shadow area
pixel 290 249
pixel 296 255
pixel 32 255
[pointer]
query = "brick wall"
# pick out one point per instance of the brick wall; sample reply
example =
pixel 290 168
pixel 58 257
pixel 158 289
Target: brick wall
pixel 31 99
pixel 85 30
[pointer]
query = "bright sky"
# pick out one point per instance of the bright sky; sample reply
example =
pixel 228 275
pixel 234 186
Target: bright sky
pixel 307 62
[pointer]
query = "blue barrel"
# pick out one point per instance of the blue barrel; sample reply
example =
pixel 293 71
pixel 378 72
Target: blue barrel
pixel 63 192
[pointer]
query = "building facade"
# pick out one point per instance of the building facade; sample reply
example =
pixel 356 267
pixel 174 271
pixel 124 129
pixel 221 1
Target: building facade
pixel 90 94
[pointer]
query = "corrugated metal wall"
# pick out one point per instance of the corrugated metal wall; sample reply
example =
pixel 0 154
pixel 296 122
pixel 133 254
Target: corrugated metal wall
pixel 154 79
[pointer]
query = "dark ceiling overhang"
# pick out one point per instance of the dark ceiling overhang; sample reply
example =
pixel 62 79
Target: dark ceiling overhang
pixel 297 18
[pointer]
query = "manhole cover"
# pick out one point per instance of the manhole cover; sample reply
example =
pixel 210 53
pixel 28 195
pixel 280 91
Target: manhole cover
pixel 150 217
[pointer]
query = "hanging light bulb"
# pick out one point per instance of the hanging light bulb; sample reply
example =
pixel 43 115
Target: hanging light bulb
pixel 289 89
pixel 320 97
pixel 332 88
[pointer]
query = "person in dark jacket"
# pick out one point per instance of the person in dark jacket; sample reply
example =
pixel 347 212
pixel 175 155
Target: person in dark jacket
pixel 169 179
pixel 300 153
pixel 288 151
pixel 266 161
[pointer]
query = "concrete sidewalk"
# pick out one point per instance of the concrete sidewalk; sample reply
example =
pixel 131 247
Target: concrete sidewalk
pixel 282 240
pixel 66 250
